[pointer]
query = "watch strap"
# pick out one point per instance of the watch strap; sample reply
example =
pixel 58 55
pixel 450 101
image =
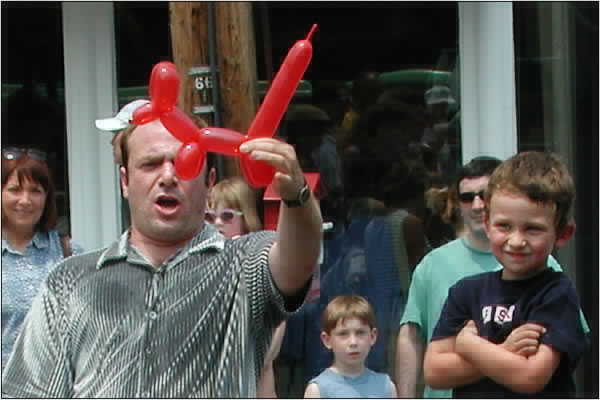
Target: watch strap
pixel 301 198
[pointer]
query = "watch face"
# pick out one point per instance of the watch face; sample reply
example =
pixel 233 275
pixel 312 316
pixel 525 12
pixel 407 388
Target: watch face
pixel 302 198
pixel 304 194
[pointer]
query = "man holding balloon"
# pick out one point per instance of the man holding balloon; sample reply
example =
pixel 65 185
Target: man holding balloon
pixel 172 309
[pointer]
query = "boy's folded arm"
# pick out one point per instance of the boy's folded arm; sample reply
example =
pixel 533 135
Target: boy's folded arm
pixel 517 373
pixel 443 368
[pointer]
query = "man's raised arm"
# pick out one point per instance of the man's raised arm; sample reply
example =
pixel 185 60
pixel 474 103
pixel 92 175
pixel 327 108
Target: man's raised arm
pixel 295 253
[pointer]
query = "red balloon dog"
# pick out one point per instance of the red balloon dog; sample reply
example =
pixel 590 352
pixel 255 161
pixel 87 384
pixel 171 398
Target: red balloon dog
pixel 164 89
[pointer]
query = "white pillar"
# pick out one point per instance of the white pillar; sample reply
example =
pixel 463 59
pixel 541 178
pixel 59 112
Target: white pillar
pixel 90 92
pixel 487 79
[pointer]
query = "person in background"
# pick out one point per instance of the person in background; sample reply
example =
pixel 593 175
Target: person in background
pixel 442 221
pixel 441 132
pixel 366 88
pixel 30 245
pixel 171 309
pixel 231 208
pixel 348 330
pixel 309 130
pixel 529 201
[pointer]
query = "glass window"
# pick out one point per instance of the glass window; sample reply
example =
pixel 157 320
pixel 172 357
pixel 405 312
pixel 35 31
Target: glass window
pixel 381 126
pixel 33 104
pixel 142 39
pixel 556 49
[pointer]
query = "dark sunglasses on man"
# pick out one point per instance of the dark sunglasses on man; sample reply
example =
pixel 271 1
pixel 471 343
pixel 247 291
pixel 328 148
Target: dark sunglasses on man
pixel 468 197
pixel 16 153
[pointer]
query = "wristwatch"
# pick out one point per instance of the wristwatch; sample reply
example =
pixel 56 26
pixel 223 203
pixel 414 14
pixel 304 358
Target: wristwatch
pixel 302 197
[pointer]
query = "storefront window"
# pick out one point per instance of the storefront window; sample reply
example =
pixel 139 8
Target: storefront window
pixel 556 49
pixel 142 39
pixel 381 126
pixel 33 104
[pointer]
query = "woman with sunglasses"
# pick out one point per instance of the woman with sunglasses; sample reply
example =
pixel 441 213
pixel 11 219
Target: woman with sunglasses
pixel 30 245
pixel 232 209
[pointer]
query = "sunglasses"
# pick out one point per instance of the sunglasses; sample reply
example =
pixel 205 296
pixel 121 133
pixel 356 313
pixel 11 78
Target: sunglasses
pixel 226 215
pixel 467 197
pixel 16 153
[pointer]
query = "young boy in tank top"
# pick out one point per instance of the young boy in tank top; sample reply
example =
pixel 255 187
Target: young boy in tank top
pixel 348 330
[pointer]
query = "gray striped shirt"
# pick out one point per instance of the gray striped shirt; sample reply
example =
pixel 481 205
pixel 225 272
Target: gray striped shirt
pixel 109 324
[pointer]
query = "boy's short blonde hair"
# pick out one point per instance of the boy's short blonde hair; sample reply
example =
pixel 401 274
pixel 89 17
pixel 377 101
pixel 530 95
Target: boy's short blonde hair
pixel 235 193
pixel 345 307
pixel 540 176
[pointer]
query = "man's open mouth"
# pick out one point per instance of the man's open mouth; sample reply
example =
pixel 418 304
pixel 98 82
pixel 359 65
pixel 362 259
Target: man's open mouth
pixel 167 202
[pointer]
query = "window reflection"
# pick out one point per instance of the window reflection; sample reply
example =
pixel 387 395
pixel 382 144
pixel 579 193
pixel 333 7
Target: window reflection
pixel 382 128
pixel 33 104
pixel 556 65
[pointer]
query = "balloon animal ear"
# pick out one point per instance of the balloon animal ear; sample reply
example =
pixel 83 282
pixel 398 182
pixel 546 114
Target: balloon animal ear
pixel 189 160
pixel 164 90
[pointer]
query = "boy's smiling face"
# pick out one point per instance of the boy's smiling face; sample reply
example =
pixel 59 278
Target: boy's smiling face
pixel 522 233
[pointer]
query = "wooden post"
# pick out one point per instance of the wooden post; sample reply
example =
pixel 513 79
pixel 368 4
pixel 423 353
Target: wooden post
pixel 236 59
pixel 189 38
pixel 237 62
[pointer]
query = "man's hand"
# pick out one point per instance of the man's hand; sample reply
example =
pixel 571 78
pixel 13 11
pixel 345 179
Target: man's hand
pixel 524 340
pixel 280 155
pixel 295 253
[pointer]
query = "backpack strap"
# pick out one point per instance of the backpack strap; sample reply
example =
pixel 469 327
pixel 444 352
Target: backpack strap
pixel 65 242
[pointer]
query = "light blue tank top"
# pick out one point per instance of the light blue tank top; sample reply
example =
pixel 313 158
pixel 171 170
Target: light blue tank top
pixel 368 384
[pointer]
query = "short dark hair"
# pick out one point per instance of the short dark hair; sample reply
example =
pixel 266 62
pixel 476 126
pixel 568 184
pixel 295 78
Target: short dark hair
pixel 27 168
pixel 477 167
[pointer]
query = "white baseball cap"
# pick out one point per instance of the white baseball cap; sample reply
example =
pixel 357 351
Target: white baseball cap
pixel 439 95
pixel 122 119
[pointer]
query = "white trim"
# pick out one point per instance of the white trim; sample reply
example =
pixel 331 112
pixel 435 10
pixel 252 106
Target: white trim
pixel 487 79
pixel 90 92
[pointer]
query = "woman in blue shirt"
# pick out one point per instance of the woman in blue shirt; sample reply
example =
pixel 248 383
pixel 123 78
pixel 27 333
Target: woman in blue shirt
pixel 30 245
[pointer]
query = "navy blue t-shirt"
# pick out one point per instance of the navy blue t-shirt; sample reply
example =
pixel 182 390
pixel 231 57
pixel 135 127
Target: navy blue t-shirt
pixel 498 306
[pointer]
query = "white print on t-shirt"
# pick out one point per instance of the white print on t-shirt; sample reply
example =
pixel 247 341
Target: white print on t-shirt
pixel 501 314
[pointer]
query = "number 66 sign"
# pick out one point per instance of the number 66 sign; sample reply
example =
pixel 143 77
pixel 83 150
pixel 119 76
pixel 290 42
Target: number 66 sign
pixel 164 89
